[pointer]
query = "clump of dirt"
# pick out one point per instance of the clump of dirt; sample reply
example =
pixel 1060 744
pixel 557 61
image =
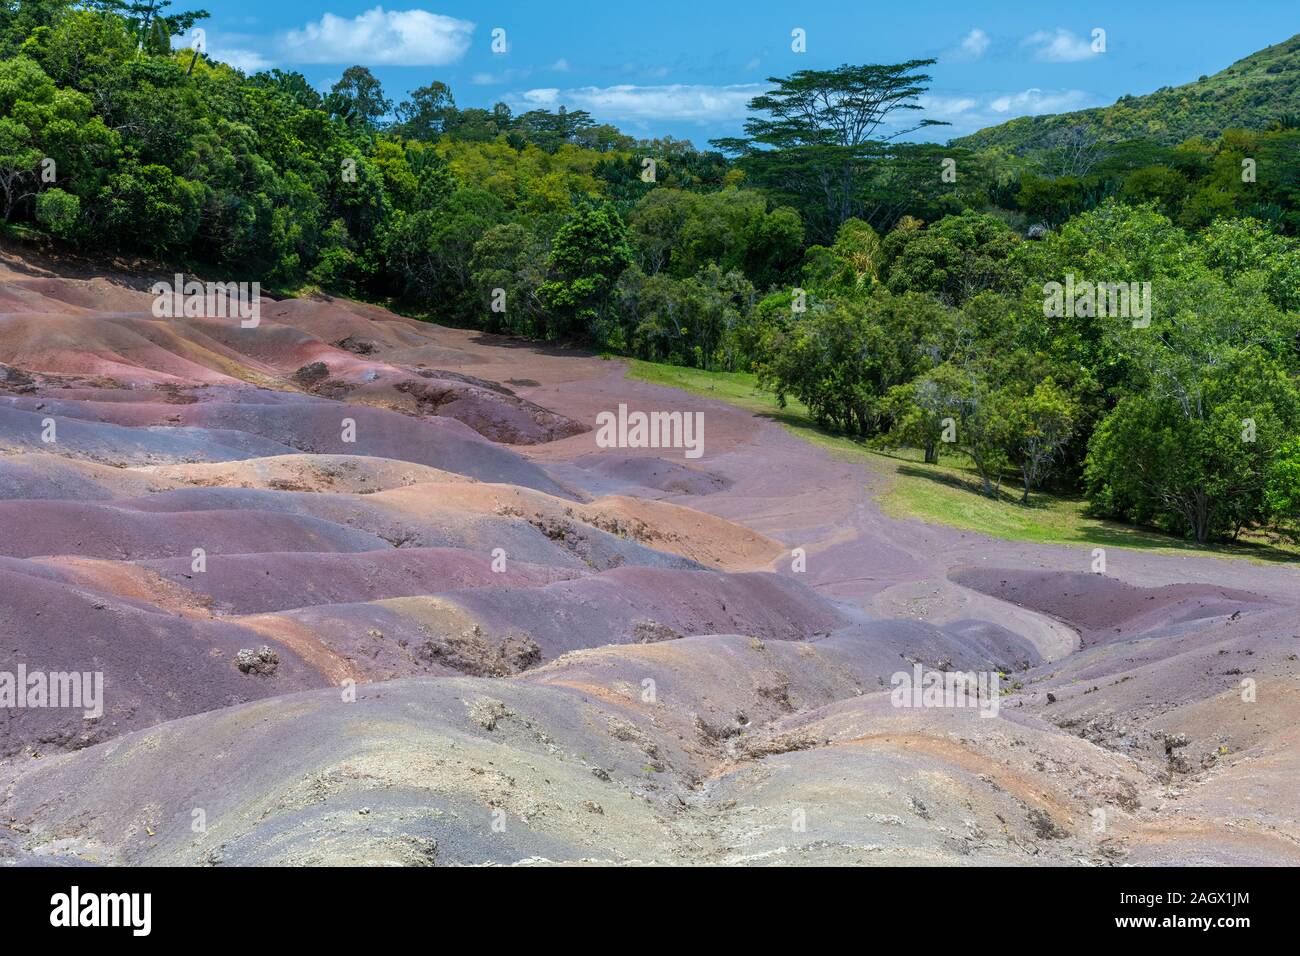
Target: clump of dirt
pixel 288 484
pixel 628 732
pixel 1172 743
pixel 563 532
pixel 311 375
pixel 652 632
pixel 1044 827
pixel 16 380
pixel 487 712
pixel 356 345
pixel 472 653
pixel 465 379
pixel 714 735
pixel 429 398
pixel 775 686
pixel 262 661
pixel 173 394
pixel 315 378
pixel 631 528
pixel 756 749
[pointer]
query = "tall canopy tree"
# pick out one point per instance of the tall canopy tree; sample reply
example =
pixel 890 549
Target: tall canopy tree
pixel 817 132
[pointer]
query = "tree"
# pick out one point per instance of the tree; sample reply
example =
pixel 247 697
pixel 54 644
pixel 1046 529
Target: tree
pixel 512 259
pixel 1039 426
pixel 823 128
pixel 358 100
pixel 844 355
pixel 431 251
pixel 40 123
pixel 589 253
pixel 292 85
pixel 1282 491
pixel 691 321
pixel 961 397
pixel 953 259
pixel 426 114
pixel 58 212
pixel 158 209
pixel 1202 464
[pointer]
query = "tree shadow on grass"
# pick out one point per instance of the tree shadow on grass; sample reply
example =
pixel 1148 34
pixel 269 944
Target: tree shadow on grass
pixel 967 483
pixel 1100 531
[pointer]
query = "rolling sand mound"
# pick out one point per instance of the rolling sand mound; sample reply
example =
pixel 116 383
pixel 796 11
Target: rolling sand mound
pixel 97 530
pixel 1103 609
pixel 155 667
pixel 137 350
pixel 252 583
pixel 633 474
pixel 50 476
pixel 610 755
pixel 356 474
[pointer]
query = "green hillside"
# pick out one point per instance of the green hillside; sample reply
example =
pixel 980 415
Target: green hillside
pixel 1250 94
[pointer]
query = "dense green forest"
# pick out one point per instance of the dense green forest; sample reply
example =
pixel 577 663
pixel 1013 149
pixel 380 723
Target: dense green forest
pixel 898 289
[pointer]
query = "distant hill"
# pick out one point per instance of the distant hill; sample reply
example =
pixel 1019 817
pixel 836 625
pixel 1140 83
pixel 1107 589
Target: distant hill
pixel 1251 93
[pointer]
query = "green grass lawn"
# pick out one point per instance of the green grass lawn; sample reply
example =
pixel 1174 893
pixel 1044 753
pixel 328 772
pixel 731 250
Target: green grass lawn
pixel 949 493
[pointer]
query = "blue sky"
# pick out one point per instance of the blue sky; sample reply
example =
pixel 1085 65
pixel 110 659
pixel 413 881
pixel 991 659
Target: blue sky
pixel 687 67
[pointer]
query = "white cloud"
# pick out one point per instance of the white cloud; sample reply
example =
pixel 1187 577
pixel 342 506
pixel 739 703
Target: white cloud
pixel 975 43
pixel 561 65
pixel 975 111
pixel 249 61
pixel 1059 46
pixel 945 107
pixel 677 101
pixel 505 76
pixel 1033 101
pixel 380 37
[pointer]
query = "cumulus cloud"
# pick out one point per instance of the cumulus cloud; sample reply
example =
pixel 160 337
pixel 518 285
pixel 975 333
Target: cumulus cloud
pixel 975 43
pixel 970 112
pixel 249 61
pixel 505 76
pixel 946 107
pixel 380 37
pixel 677 101
pixel 1034 101
pixel 1059 46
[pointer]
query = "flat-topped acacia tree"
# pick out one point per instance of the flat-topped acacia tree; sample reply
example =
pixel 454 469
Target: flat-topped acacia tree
pixel 817 131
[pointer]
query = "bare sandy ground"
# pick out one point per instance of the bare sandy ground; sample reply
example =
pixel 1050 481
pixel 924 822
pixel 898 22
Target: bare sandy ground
pixel 470 635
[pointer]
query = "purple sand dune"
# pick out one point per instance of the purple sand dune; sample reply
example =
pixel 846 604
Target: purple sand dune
pixel 155 667
pixel 1104 609
pixel 254 583
pixel 643 605
pixel 101 441
pixel 95 530
pixel 310 425
pixel 585 547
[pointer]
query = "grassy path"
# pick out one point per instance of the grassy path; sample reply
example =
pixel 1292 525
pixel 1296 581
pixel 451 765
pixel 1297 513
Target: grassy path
pixel 949 493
